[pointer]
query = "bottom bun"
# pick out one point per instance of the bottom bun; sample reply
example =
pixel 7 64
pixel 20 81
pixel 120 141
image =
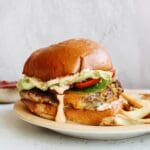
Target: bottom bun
pixel 47 111
pixel 88 117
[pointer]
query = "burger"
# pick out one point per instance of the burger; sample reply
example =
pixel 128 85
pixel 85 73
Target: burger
pixel 72 81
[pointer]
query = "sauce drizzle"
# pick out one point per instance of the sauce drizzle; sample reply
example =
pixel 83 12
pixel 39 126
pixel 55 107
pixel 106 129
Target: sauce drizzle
pixel 60 116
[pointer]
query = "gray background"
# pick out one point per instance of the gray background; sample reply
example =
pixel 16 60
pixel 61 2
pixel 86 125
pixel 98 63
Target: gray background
pixel 122 26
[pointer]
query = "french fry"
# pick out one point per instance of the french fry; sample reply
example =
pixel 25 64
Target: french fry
pixel 145 96
pixel 118 120
pixel 136 114
pixel 108 121
pixel 145 121
pixel 131 100
pixel 123 120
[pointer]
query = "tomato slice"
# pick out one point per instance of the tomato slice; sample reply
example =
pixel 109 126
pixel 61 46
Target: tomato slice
pixel 86 83
pixel 8 85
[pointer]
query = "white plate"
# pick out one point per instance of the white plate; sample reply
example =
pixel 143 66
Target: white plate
pixel 83 131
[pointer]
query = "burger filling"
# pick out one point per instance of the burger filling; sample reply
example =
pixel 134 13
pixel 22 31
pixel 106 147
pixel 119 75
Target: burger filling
pixel 93 100
pixel 64 83
pixel 89 89
pixel 39 96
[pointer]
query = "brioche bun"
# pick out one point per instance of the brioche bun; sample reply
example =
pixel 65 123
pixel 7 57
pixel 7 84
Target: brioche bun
pixel 88 117
pixel 44 110
pixel 67 58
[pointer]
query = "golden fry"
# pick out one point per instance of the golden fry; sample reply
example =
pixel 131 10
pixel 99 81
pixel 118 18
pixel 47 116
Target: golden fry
pixel 133 112
pixel 118 120
pixel 145 96
pixel 131 100
pixel 145 121
pixel 136 114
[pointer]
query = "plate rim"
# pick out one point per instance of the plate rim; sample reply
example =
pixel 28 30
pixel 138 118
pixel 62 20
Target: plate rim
pixel 21 111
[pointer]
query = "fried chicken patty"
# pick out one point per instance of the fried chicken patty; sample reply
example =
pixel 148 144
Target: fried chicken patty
pixel 91 101
pixel 36 95
pixel 76 100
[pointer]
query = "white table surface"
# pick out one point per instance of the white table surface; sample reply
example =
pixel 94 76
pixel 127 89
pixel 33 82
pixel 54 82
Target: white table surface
pixel 16 134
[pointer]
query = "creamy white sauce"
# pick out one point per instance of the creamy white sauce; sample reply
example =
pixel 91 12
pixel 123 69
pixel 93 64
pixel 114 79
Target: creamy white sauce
pixel 104 107
pixel 60 89
pixel 60 116
pixel 113 104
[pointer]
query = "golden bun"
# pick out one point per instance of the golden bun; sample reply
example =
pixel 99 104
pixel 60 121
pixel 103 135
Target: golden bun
pixel 67 58
pixel 44 110
pixel 92 117
pixel 87 117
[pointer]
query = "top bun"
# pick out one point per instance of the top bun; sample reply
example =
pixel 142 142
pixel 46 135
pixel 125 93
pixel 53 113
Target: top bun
pixel 67 58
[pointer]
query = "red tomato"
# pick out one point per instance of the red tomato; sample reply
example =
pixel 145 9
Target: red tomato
pixel 86 83
pixel 6 84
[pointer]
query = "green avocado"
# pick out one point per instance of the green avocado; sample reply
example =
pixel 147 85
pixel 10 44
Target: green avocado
pixel 25 84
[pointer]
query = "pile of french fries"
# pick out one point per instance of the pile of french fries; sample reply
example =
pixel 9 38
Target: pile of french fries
pixel 134 111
